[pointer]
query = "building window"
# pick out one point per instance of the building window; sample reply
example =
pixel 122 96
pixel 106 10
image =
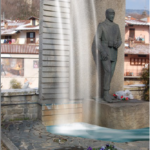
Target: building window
pixel 35 64
pixel 141 55
pixel 8 37
pixel 132 33
pixel 132 61
pixel 138 61
pixel 33 22
pixel 30 37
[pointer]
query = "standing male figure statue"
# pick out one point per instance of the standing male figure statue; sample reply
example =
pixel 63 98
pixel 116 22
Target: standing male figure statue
pixel 108 40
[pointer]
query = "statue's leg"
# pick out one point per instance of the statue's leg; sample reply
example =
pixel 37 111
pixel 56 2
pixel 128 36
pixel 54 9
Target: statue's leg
pixel 113 65
pixel 107 78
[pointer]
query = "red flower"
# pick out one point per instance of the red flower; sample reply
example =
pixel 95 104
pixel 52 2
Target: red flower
pixel 121 96
pixel 114 95
pixel 127 98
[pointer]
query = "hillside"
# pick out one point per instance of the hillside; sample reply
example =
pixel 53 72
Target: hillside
pixel 20 9
pixel 132 11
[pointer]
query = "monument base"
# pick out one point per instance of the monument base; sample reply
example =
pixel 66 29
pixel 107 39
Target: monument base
pixel 131 114
pixel 63 113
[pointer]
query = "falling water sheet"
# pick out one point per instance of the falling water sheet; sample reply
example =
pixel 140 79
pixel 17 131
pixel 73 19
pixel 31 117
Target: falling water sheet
pixel 85 130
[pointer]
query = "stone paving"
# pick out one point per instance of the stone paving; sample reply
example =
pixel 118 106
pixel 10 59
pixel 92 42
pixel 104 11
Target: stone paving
pixel 32 135
pixel 3 147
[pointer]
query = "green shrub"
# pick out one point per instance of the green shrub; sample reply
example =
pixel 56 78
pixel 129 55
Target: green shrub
pixel 14 84
pixel 145 80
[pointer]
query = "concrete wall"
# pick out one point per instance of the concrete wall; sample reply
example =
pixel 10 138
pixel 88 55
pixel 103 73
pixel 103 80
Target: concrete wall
pixel 19 104
pixel 87 80
pixel 54 51
pixel 32 74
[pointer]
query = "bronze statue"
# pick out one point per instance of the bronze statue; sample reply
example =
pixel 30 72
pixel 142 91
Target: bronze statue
pixel 109 40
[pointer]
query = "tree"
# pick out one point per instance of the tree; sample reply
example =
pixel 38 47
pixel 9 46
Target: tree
pixel 145 80
pixel 17 9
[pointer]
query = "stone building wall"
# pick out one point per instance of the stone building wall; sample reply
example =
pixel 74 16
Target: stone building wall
pixel 19 104
pixel 136 91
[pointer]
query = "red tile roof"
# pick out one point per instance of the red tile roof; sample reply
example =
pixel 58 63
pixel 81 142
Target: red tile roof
pixel 16 25
pixel 136 22
pixel 19 49
pixel 138 49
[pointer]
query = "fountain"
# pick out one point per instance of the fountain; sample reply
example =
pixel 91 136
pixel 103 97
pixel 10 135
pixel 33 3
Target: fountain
pixel 71 75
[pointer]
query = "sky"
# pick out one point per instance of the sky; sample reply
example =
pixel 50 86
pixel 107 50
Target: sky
pixel 137 4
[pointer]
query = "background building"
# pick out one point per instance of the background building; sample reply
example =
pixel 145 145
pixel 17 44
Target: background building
pixel 138 30
pixel 137 41
pixel 19 52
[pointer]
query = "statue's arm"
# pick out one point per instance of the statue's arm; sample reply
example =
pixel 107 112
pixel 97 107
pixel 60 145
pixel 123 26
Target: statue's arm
pixel 98 37
pixel 119 40
pixel 99 43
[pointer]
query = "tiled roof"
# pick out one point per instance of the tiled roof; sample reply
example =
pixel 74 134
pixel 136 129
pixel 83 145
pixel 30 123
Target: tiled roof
pixel 138 49
pixel 16 22
pixel 16 25
pixel 131 18
pixel 19 49
pixel 27 28
pixel 8 31
pixel 136 22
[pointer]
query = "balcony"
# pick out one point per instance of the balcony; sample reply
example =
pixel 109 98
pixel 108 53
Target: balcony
pixel 33 41
pixel 134 73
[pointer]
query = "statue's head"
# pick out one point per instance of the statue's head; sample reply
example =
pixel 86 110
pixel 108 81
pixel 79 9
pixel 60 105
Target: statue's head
pixel 110 14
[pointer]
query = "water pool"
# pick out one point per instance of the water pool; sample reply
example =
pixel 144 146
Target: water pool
pixel 86 130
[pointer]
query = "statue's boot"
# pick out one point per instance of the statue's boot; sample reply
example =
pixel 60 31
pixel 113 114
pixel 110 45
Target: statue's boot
pixel 112 97
pixel 107 97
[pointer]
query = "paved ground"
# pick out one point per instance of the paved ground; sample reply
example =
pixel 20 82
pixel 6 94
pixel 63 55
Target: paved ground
pixel 3 147
pixel 32 135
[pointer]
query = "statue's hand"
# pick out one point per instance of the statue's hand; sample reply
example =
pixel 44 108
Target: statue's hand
pixel 118 44
pixel 104 56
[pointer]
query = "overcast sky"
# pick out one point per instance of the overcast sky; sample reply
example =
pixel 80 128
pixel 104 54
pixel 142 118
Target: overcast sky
pixel 137 4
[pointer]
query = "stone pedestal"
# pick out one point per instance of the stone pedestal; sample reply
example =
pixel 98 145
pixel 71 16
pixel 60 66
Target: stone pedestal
pixel 57 114
pixel 132 114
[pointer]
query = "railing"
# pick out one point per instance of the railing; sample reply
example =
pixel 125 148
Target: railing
pixel 133 72
pixel 14 41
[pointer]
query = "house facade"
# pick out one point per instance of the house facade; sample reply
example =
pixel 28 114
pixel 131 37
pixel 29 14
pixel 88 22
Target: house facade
pixel 136 50
pixel 20 31
pixel 138 30
pixel 19 52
